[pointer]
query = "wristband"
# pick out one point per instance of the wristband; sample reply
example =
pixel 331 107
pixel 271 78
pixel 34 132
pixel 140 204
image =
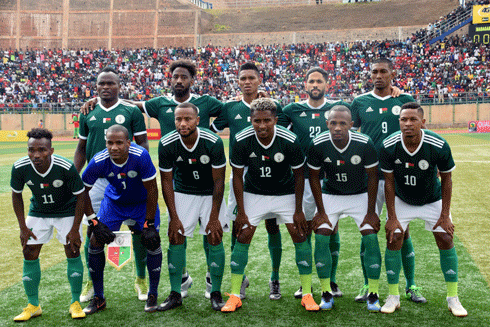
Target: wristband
pixel 92 216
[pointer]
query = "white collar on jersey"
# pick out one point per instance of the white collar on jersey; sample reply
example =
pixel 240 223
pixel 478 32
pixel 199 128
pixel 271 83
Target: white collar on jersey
pixel 109 109
pixel 345 148
pixel 188 99
pixel 47 171
pixel 311 107
pixel 380 98
pixel 195 144
pixel 418 148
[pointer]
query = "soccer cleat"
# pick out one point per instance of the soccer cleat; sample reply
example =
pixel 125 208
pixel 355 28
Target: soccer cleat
pixel 309 303
pixel 392 303
pixel 413 294
pixel 87 292
pixel 373 302
pixel 209 286
pixel 275 287
pixel 186 284
pixel 363 294
pixel 327 301
pixel 234 302
pixel 335 290
pixel 76 311
pixel 151 303
pixel 174 300
pixel 29 312
pixel 299 293
pixel 216 301
pixel 455 307
pixel 243 288
pixel 97 304
pixel 141 288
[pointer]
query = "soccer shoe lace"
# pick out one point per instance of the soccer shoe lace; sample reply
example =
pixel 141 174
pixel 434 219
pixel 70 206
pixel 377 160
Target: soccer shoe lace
pixel 392 303
pixel 414 294
pixel 186 284
pixel 87 292
pixel 76 311
pixel 327 301
pixel 209 286
pixel 232 304
pixel 373 303
pixel 275 290
pixel 152 303
pixel 363 294
pixel 243 288
pixel 309 303
pixel 456 307
pixel 29 312
pixel 141 288
pixel 336 292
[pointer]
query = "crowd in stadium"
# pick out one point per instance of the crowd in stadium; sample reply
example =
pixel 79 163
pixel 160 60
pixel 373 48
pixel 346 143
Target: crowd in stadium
pixel 444 72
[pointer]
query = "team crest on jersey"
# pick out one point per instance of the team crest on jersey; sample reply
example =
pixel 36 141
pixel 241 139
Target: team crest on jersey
pixel 355 160
pixel 279 157
pixel 120 119
pixel 423 164
pixel 204 159
pixel 396 110
pixel 326 114
pixel 132 174
pixel 57 183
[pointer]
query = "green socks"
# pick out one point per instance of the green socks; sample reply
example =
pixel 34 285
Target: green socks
pixel 393 262
pixel 303 258
pixel 334 251
pixel 275 250
pixel 449 264
pixel 31 277
pixel 323 258
pixel 239 259
pixel 372 256
pixel 74 271
pixel 361 255
pixel 139 255
pixel 205 245
pixel 216 265
pixel 176 262
pixel 408 261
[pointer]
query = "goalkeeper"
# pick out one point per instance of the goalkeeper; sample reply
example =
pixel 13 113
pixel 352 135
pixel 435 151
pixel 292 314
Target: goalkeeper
pixel 131 196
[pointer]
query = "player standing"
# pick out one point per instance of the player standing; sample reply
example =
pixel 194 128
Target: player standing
pixel 192 164
pixel 273 187
pixel 307 119
pixel 350 185
pixel 93 127
pixel 132 197
pixel 410 160
pixel 236 116
pixel 56 203
pixel 376 113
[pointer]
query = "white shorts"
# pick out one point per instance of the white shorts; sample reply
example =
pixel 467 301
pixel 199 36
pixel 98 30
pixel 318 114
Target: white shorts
pixel 231 208
pixel 43 228
pixel 341 206
pixel 380 198
pixel 96 195
pixel 193 209
pixel 430 213
pixel 259 207
pixel 309 205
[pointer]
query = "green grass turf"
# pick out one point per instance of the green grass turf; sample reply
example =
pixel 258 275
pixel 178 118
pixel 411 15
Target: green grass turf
pixel 470 209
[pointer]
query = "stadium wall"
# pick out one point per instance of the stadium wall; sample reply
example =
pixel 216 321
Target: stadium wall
pixel 437 116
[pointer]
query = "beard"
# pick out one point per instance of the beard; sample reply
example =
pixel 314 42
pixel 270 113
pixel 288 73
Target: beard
pixel 179 93
pixel 316 97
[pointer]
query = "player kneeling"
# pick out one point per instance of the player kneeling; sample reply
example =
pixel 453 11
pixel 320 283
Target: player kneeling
pixel 131 196
pixel 410 160
pixel 273 187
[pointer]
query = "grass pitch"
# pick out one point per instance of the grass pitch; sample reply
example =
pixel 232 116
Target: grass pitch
pixel 470 210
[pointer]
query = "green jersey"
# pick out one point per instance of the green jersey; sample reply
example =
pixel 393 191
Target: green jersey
pixel 54 192
pixel 376 116
pixel 345 169
pixel 162 108
pixel 192 168
pixel 94 125
pixel 236 116
pixel 415 173
pixel 269 167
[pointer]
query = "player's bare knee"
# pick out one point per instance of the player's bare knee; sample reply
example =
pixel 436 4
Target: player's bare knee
pixel 444 240
pixel 272 226
pixel 31 252
pixel 324 231
pixel 178 240
pixel 396 243
pixel 245 235
pixel 69 252
pixel 214 240
pixel 406 235
pixel 366 232
pixel 295 235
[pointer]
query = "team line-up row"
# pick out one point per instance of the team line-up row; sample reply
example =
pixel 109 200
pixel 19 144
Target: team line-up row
pixel 307 177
